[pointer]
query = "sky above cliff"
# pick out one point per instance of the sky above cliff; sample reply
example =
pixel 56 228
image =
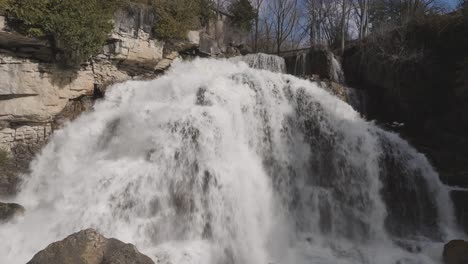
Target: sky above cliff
pixel 451 3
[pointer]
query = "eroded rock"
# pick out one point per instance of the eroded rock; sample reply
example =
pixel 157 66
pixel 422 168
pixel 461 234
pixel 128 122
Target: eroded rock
pixel 90 247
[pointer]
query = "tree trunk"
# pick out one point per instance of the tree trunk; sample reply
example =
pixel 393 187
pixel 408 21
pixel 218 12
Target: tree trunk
pixel 343 25
pixel 256 34
pixel 366 18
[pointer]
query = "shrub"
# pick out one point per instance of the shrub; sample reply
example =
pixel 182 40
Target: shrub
pixel 4 159
pixel 3 5
pixel 78 28
pixel 242 14
pixel 176 17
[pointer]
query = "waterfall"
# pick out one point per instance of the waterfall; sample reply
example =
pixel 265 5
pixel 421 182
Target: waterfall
pixel 336 70
pixel 300 65
pixel 357 98
pixel 263 61
pixel 217 162
pixel 320 62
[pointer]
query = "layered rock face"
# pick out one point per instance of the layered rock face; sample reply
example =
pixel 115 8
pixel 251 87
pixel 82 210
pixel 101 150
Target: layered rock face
pixel 32 95
pixel 90 247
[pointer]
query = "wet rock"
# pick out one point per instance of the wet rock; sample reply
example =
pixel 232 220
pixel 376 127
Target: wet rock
pixel 456 252
pixel 9 211
pixel 90 247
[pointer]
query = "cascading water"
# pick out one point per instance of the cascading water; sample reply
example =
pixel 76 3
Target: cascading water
pixel 357 99
pixel 263 61
pixel 216 162
pixel 337 71
pixel 300 65
pixel 322 63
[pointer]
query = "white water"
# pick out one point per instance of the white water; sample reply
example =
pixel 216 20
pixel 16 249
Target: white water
pixel 216 162
pixel 302 62
pixel 337 71
pixel 263 61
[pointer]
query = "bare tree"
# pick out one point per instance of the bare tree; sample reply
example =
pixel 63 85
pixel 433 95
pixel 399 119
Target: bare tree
pixel 400 12
pixel 361 8
pixel 257 4
pixel 284 18
pixel 344 24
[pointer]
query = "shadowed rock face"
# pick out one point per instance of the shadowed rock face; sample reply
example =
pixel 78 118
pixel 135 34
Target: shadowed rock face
pixel 90 247
pixel 416 76
pixel 456 252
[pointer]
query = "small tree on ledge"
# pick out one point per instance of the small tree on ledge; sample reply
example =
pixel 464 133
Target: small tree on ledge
pixel 242 13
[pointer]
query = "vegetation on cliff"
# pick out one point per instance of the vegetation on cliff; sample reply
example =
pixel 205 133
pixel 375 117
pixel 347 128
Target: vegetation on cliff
pixel 176 17
pixel 78 28
pixel 4 159
pixel 242 13
pixel 3 5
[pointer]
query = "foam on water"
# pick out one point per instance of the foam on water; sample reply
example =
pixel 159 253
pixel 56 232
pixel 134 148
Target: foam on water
pixel 216 162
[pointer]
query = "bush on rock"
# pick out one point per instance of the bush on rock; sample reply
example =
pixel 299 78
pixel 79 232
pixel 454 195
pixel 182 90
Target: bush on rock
pixel 76 28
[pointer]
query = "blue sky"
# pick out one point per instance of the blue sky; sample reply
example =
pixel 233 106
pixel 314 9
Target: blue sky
pixel 451 3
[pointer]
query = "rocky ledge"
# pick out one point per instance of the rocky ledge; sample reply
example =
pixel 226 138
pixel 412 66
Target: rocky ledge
pixel 90 247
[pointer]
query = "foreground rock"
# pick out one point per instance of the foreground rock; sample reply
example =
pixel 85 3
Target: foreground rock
pixel 456 252
pixel 10 210
pixel 90 247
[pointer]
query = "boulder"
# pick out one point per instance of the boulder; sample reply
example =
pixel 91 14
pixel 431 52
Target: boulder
pixel 10 210
pixel 456 252
pixel 90 247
